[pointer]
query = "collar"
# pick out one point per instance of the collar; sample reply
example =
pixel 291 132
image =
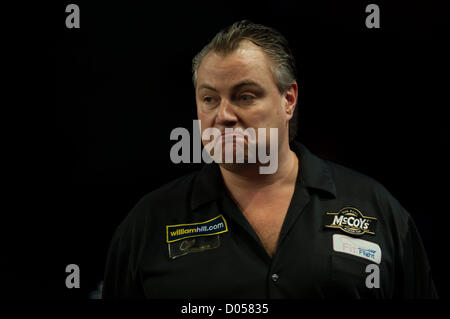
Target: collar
pixel 207 186
pixel 313 174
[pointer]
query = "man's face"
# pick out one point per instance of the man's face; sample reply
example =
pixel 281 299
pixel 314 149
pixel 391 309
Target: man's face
pixel 239 91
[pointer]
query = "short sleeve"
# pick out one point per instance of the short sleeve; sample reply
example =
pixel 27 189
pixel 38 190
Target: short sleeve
pixel 416 276
pixel 120 279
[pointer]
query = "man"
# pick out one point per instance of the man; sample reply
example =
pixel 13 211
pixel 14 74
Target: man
pixel 312 229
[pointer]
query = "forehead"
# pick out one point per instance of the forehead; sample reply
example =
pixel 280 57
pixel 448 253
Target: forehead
pixel 247 62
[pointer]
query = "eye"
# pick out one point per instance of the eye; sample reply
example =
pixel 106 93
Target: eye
pixel 208 100
pixel 246 97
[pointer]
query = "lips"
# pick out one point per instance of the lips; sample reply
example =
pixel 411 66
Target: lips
pixel 229 135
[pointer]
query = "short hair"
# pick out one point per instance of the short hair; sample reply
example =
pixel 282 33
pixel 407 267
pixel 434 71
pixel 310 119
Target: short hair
pixel 272 42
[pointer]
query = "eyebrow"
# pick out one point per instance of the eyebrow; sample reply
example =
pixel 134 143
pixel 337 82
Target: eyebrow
pixel 234 88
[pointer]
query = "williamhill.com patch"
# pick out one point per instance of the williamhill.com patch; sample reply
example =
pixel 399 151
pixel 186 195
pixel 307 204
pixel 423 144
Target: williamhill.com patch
pixel 213 226
pixel 351 221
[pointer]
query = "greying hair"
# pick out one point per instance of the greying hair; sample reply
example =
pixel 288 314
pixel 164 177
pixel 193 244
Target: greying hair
pixel 273 43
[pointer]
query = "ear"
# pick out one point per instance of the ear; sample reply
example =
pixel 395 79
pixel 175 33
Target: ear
pixel 290 97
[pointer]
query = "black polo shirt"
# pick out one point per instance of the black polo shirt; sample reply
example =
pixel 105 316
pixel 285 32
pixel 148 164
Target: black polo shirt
pixel 189 239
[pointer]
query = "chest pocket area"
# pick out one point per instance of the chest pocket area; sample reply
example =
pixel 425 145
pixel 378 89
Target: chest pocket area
pixel 193 245
pixel 348 275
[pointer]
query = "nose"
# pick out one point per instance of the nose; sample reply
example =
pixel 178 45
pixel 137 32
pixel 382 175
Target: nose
pixel 226 115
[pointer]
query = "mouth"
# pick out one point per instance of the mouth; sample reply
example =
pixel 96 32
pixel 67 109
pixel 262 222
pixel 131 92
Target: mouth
pixel 229 135
pixel 234 138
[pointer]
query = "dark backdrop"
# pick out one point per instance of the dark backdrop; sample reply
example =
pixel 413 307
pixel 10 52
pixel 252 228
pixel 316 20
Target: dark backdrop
pixel 373 100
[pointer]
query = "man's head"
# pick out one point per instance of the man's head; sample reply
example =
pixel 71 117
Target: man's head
pixel 245 77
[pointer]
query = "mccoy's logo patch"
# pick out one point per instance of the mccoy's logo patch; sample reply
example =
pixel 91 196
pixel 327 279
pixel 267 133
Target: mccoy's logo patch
pixel 214 226
pixel 351 221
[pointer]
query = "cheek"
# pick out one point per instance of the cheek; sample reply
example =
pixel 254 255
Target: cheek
pixel 268 114
pixel 279 114
pixel 206 121
pixel 203 116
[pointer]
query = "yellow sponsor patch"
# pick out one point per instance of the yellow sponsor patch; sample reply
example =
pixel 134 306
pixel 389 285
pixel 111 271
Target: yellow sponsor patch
pixel 214 226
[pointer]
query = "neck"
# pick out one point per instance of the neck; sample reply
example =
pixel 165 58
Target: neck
pixel 247 176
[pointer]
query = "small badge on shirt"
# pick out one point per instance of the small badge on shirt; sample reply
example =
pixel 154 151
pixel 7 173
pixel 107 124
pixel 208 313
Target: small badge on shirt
pixel 184 239
pixel 357 247
pixel 351 221
pixel 214 226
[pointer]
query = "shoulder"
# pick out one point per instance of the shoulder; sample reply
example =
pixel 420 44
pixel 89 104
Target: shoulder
pixel 353 186
pixel 156 206
pixel 170 194
pixel 350 182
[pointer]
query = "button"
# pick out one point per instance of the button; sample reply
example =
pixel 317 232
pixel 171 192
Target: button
pixel 275 277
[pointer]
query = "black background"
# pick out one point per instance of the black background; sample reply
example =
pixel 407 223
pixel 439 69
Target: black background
pixel 374 100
